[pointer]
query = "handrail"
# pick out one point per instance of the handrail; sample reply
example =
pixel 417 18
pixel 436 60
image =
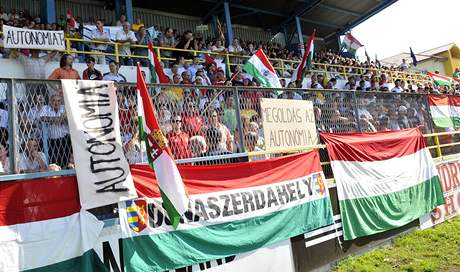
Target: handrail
pixel 279 64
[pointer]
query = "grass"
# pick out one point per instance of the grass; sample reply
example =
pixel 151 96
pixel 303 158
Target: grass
pixel 436 249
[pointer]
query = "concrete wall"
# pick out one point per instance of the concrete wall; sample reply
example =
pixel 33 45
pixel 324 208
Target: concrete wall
pixel 10 68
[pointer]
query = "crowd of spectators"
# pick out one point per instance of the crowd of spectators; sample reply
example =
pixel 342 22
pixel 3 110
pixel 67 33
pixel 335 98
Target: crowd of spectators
pixel 199 118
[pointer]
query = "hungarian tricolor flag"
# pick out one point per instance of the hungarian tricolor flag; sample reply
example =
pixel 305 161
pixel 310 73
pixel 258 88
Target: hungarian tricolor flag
pixel 441 80
pixel 172 188
pixel 157 75
pixel 351 44
pixel 445 110
pixel 384 179
pixel 307 59
pixel 42 227
pixel 260 68
pixel 234 208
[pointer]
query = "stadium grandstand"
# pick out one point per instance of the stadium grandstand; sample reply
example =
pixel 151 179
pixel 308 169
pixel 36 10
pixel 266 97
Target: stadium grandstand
pixel 194 56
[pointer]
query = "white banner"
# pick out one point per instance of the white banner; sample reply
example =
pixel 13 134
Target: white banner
pixel 449 175
pixel 288 123
pixel 103 173
pixel 15 37
pixel 277 257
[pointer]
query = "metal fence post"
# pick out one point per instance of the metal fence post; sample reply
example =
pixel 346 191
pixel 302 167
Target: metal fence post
pixel 12 126
pixel 239 122
pixel 355 101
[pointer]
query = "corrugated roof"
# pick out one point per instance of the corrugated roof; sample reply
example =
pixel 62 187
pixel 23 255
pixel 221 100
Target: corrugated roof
pixel 326 16
pixel 397 59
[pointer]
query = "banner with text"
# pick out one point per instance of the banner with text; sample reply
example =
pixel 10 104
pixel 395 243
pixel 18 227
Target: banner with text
pixel 233 209
pixel 15 37
pixel 288 123
pixel 450 182
pixel 276 257
pixel 102 170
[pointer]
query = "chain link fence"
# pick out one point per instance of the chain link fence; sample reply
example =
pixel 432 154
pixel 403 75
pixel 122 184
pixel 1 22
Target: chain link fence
pixel 202 124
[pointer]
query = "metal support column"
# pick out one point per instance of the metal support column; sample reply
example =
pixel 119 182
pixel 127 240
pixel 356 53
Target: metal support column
pixel 129 11
pixel 228 22
pixel 299 29
pixel 355 101
pixel 239 122
pixel 13 144
pixel 48 11
pixel 117 9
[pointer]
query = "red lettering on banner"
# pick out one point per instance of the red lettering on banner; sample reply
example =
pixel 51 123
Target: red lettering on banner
pixel 456 181
pixel 443 176
pixel 454 175
pixel 436 215
pixel 450 205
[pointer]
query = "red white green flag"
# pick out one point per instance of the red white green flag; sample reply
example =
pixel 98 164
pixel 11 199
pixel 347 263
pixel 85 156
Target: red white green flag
pixel 307 59
pixel 351 44
pixel 384 179
pixel 445 110
pixel 440 80
pixel 260 68
pixel 172 188
pixel 234 208
pixel 157 74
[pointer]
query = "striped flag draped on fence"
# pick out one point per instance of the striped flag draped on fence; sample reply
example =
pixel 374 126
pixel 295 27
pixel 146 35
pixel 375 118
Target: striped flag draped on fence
pixel 445 110
pixel 384 180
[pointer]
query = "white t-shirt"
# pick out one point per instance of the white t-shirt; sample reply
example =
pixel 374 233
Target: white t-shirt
pixel 122 35
pixel 3 118
pixel 397 90
pixel 26 164
pixel 55 131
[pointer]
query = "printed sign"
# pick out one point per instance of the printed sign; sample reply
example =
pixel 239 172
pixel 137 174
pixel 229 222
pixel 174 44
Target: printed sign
pixel 103 173
pixel 288 123
pixel 450 182
pixel 15 37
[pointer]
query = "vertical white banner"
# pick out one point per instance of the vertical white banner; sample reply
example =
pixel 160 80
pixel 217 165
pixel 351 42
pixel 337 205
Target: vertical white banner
pixel 103 173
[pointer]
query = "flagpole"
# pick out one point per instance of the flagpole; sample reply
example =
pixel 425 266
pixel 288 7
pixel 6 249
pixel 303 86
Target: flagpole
pixel 220 92
pixel 140 136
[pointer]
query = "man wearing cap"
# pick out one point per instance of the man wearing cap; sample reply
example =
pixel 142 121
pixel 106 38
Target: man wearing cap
pixel 91 73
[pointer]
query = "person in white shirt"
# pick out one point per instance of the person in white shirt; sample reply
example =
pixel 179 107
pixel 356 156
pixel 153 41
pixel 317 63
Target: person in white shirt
pixel 34 66
pixel 31 160
pixel 3 15
pixel 218 47
pixel 235 47
pixel 99 34
pixel 54 116
pixel 4 160
pixel 127 37
pixel 397 88
pixel 121 21
pixel 113 75
pixel 194 67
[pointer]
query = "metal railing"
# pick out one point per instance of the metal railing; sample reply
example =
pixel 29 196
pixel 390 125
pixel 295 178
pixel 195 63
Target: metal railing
pixel 282 65
pixel 77 46
pixel 187 116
